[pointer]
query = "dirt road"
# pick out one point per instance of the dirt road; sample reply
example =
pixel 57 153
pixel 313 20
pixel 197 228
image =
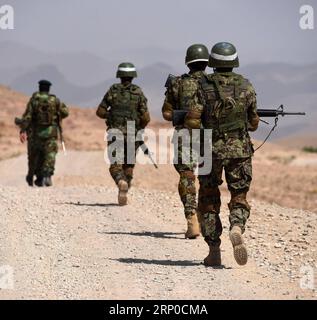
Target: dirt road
pixel 73 241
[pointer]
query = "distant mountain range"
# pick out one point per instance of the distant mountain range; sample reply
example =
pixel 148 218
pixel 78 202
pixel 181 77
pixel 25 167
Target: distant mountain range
pixel 83 78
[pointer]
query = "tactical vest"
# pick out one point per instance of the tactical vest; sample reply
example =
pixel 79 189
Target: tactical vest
pixel 45 109
pixel 225 103
pixel 124 106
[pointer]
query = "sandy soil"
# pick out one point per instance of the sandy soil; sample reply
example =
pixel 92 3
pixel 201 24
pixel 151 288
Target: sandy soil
pixel 73 241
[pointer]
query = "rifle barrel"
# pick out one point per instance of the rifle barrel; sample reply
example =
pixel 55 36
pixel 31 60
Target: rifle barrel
pixel 293 113
pixel 275 112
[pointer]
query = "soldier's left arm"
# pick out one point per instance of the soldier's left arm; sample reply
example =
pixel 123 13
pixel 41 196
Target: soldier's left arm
pixel 104 106
pixel 27 116
pixel 169 101
pixel 253 118
pixel 64 111
pixel 143 111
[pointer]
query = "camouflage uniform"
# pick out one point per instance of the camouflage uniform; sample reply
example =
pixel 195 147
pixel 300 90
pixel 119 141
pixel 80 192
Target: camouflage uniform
pixel 230 110
pixel 182 95
pixel 40 121
pixel 124 103
pixel 31 154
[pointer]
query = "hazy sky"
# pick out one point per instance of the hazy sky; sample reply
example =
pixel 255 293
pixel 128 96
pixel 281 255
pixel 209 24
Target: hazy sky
pixel 262 30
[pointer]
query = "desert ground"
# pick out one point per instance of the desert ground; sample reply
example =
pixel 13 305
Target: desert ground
pixel 73 241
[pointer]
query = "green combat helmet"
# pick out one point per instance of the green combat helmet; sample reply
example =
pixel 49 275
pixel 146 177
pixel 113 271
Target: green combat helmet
pixel 223 55
pixel 126 69
pixel 196 53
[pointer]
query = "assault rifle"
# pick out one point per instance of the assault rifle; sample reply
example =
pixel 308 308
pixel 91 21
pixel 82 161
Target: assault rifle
pixel 60 129
pixel 265 113
pixel 148 153
pixel 179 115
pixel 18 121
pixel 274 113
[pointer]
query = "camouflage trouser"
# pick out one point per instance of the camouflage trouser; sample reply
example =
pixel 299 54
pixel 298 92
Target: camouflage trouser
pixel 42 156
pixel 32 169
pixel 123 170
pixel 238 173
pixel 186 186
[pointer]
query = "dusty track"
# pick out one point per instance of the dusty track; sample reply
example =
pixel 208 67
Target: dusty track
pixel 73 241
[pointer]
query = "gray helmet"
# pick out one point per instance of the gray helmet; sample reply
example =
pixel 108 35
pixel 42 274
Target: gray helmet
pixel 126 69
pixel 223 55
pixel 196 53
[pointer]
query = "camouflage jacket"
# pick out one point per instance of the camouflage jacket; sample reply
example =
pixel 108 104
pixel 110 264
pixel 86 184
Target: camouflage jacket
pixel 43 115
pixel 183 94
pixel 124 103
pixel 230 110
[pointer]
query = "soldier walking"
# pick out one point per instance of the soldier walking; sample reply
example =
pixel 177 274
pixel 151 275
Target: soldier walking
pixel 40 125
pixel 230 110
pixel 181 93
pixel 124 102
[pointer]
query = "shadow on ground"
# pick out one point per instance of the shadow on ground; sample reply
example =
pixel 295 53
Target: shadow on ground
pixel 91 204
pixel 179 263
pixel 164 235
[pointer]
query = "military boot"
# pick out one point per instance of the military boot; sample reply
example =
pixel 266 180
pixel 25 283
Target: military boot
pixel 214 257
pixel 239 249
pixel 39 181
pixel 193 228
pixel 123 193
pixel 29 180
pixel 47 181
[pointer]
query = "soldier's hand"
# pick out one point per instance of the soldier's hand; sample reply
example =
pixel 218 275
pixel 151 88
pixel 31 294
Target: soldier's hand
pixel 23 137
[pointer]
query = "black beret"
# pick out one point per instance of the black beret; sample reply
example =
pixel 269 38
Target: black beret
pixel 44 83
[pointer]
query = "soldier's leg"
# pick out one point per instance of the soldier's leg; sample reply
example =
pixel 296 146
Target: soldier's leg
pixel 239 177
pixel 50 149
pixel 185 167
pixel 209 204
pixel 187 188
pixel 38 161
pixel 128 172
pixel 116 172
pixel 187 193
pixel 128 168
pixel 31 163
pixel 116 167
pixel 124 178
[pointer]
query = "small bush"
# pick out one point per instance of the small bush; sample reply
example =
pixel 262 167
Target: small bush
pixel 310 149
